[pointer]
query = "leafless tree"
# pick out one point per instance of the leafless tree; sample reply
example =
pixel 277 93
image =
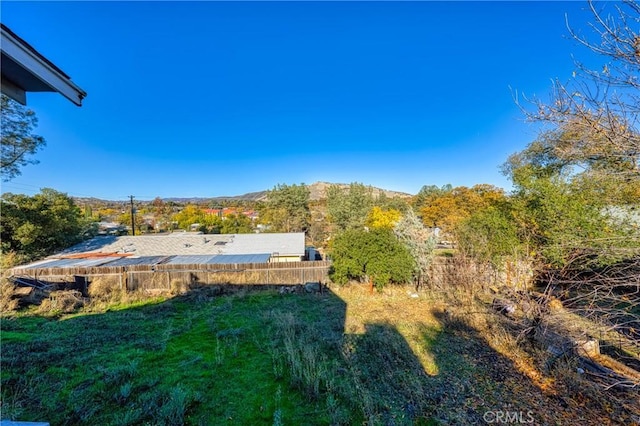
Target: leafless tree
pixel 597 111
pixel 592 134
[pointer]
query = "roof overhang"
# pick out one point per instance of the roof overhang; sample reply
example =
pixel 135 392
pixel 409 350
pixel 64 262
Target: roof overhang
pixel 24 69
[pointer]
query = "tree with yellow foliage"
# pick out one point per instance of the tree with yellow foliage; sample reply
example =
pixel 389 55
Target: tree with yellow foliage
pixel 448 209
pixel 379 218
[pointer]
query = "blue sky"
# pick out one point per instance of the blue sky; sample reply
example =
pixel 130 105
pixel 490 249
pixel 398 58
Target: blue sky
pixel 223 98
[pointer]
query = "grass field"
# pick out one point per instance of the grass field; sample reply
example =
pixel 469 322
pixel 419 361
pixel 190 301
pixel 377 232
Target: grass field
pixel 260 357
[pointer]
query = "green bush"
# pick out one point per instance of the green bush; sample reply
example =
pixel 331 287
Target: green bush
pixel 489 235
pixel 360 254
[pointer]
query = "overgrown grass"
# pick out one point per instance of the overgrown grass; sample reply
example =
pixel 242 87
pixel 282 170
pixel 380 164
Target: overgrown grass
pixel 259 357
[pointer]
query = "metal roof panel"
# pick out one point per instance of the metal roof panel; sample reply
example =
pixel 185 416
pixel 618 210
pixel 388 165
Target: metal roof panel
pixel 189 260
pixel 240 258
pixel 132 261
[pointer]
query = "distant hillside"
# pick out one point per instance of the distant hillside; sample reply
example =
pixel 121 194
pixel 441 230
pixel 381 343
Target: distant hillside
pixel 250 196
pixel 318 191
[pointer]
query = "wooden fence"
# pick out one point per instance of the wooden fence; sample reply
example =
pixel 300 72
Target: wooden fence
pixel 167 276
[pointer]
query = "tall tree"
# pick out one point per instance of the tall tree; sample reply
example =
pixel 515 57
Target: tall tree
pixel 348 208
pixel 491 235
pixel 18 141
pixel 560 212
pixel 428 193
pixel 447 209
pixel 587 158
pixel 192 214
pixel 287 208
pixel 318 228
pixel 382 218
pixel 236 223
pixel 420 242
pixel 392 203
pixel 593 119
pixel 42 224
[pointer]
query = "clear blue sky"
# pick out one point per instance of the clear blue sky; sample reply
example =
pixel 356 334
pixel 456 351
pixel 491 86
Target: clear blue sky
pixel 223 98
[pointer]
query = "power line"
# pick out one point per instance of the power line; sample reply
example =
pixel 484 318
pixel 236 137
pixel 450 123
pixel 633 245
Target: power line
pixel 31 189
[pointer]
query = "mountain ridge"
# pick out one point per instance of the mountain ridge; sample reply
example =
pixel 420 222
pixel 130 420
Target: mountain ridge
pixel 317 191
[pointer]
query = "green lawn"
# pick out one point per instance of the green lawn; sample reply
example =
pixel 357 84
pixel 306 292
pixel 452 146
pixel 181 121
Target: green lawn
pixel 259 357
pixel 188 359
pixel 250 358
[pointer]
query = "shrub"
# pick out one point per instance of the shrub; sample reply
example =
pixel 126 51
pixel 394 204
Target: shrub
pixel 360 254
pixel 7 302
pixel 10 258
pixel 489 235
pixel 62 302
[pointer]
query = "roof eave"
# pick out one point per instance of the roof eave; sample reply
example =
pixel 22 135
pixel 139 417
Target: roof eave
pixel 38 67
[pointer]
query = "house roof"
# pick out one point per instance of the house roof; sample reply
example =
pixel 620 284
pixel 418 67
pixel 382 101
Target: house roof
pixel 219 259
pixel 24 69
pixel 184 244
pixel 197 259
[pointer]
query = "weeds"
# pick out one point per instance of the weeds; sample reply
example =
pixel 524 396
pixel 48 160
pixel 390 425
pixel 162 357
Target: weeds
pixel 306 364
pixel 258 358
pixel 277 414
pixel 132 415
pixel 123 394
pixel 8 303
pixel 12 403
pixel 278 363
pixel 219 352
pixel 61 302
pixel 178 287
pixel 105 289
pixel 174 407
pixel 121 373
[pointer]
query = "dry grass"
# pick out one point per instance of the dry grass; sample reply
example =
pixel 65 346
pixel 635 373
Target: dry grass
pixel 178 287
pixel 468 307
pixel 106 289
pixel 351 357
pixel 410 313
pixel 61 302
pixel 8 303
pixel 10 259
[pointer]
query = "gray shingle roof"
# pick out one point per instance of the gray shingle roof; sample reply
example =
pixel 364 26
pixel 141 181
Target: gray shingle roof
pixel 289 244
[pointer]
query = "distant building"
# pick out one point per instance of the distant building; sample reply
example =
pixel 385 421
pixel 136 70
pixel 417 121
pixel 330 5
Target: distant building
pixel 226 211
pixel 281 247
pixel 111 228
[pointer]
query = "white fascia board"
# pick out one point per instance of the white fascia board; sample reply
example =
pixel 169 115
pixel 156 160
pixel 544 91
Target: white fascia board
pixel 39 68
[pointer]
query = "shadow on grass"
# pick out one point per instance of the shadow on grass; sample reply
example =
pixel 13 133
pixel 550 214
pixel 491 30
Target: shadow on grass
pixel 250 357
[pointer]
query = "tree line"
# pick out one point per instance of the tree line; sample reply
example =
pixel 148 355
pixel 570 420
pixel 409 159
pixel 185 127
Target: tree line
pixel 576 187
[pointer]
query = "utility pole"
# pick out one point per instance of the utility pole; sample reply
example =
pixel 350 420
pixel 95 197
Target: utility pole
pixel 133 223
